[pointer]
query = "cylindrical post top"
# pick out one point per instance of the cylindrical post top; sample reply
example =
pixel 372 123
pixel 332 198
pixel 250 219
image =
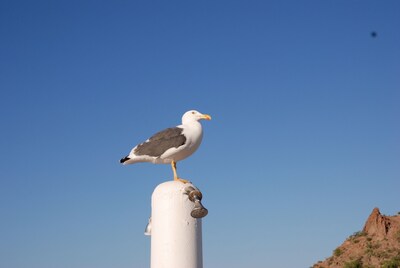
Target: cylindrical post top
pixel 170 187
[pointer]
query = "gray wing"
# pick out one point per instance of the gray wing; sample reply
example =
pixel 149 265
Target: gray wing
pixel 161 141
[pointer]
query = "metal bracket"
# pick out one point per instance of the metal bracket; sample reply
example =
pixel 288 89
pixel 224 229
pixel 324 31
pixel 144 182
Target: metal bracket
pixel 199 211
pixel 147 230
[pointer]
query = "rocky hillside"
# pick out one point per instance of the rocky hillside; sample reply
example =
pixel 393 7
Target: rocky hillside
pixel 377 245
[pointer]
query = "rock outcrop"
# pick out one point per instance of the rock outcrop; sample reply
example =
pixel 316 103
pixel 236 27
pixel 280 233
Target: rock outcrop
pixel 377 245
pixel 377 225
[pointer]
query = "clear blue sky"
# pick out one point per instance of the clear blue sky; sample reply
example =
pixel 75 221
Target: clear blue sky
pixel 304 141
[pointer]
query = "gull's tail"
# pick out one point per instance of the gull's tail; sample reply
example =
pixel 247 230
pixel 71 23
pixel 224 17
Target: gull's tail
pixel 123 160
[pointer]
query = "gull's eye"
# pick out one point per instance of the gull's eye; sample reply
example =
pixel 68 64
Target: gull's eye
pixel 193 112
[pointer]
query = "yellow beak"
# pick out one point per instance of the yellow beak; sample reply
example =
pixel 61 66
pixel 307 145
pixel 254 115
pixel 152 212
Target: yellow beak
pixel 206 117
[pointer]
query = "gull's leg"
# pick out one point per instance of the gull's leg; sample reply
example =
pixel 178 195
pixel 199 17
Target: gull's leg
pixel 176 178
pixel 173 165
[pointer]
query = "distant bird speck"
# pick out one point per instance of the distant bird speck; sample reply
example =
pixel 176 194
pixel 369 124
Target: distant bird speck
pixel 374 34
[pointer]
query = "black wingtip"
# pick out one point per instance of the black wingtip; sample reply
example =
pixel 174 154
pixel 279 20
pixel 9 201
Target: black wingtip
pixel 123 160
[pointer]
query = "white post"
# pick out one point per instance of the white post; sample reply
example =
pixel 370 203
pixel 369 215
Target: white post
pixel 176 237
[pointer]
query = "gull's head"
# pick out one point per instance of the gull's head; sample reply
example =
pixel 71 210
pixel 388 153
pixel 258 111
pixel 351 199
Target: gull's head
pixel 194 115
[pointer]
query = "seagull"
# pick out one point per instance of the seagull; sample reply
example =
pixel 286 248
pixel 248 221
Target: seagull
pixel 170 145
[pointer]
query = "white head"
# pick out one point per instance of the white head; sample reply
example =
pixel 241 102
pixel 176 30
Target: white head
pixel 194 115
